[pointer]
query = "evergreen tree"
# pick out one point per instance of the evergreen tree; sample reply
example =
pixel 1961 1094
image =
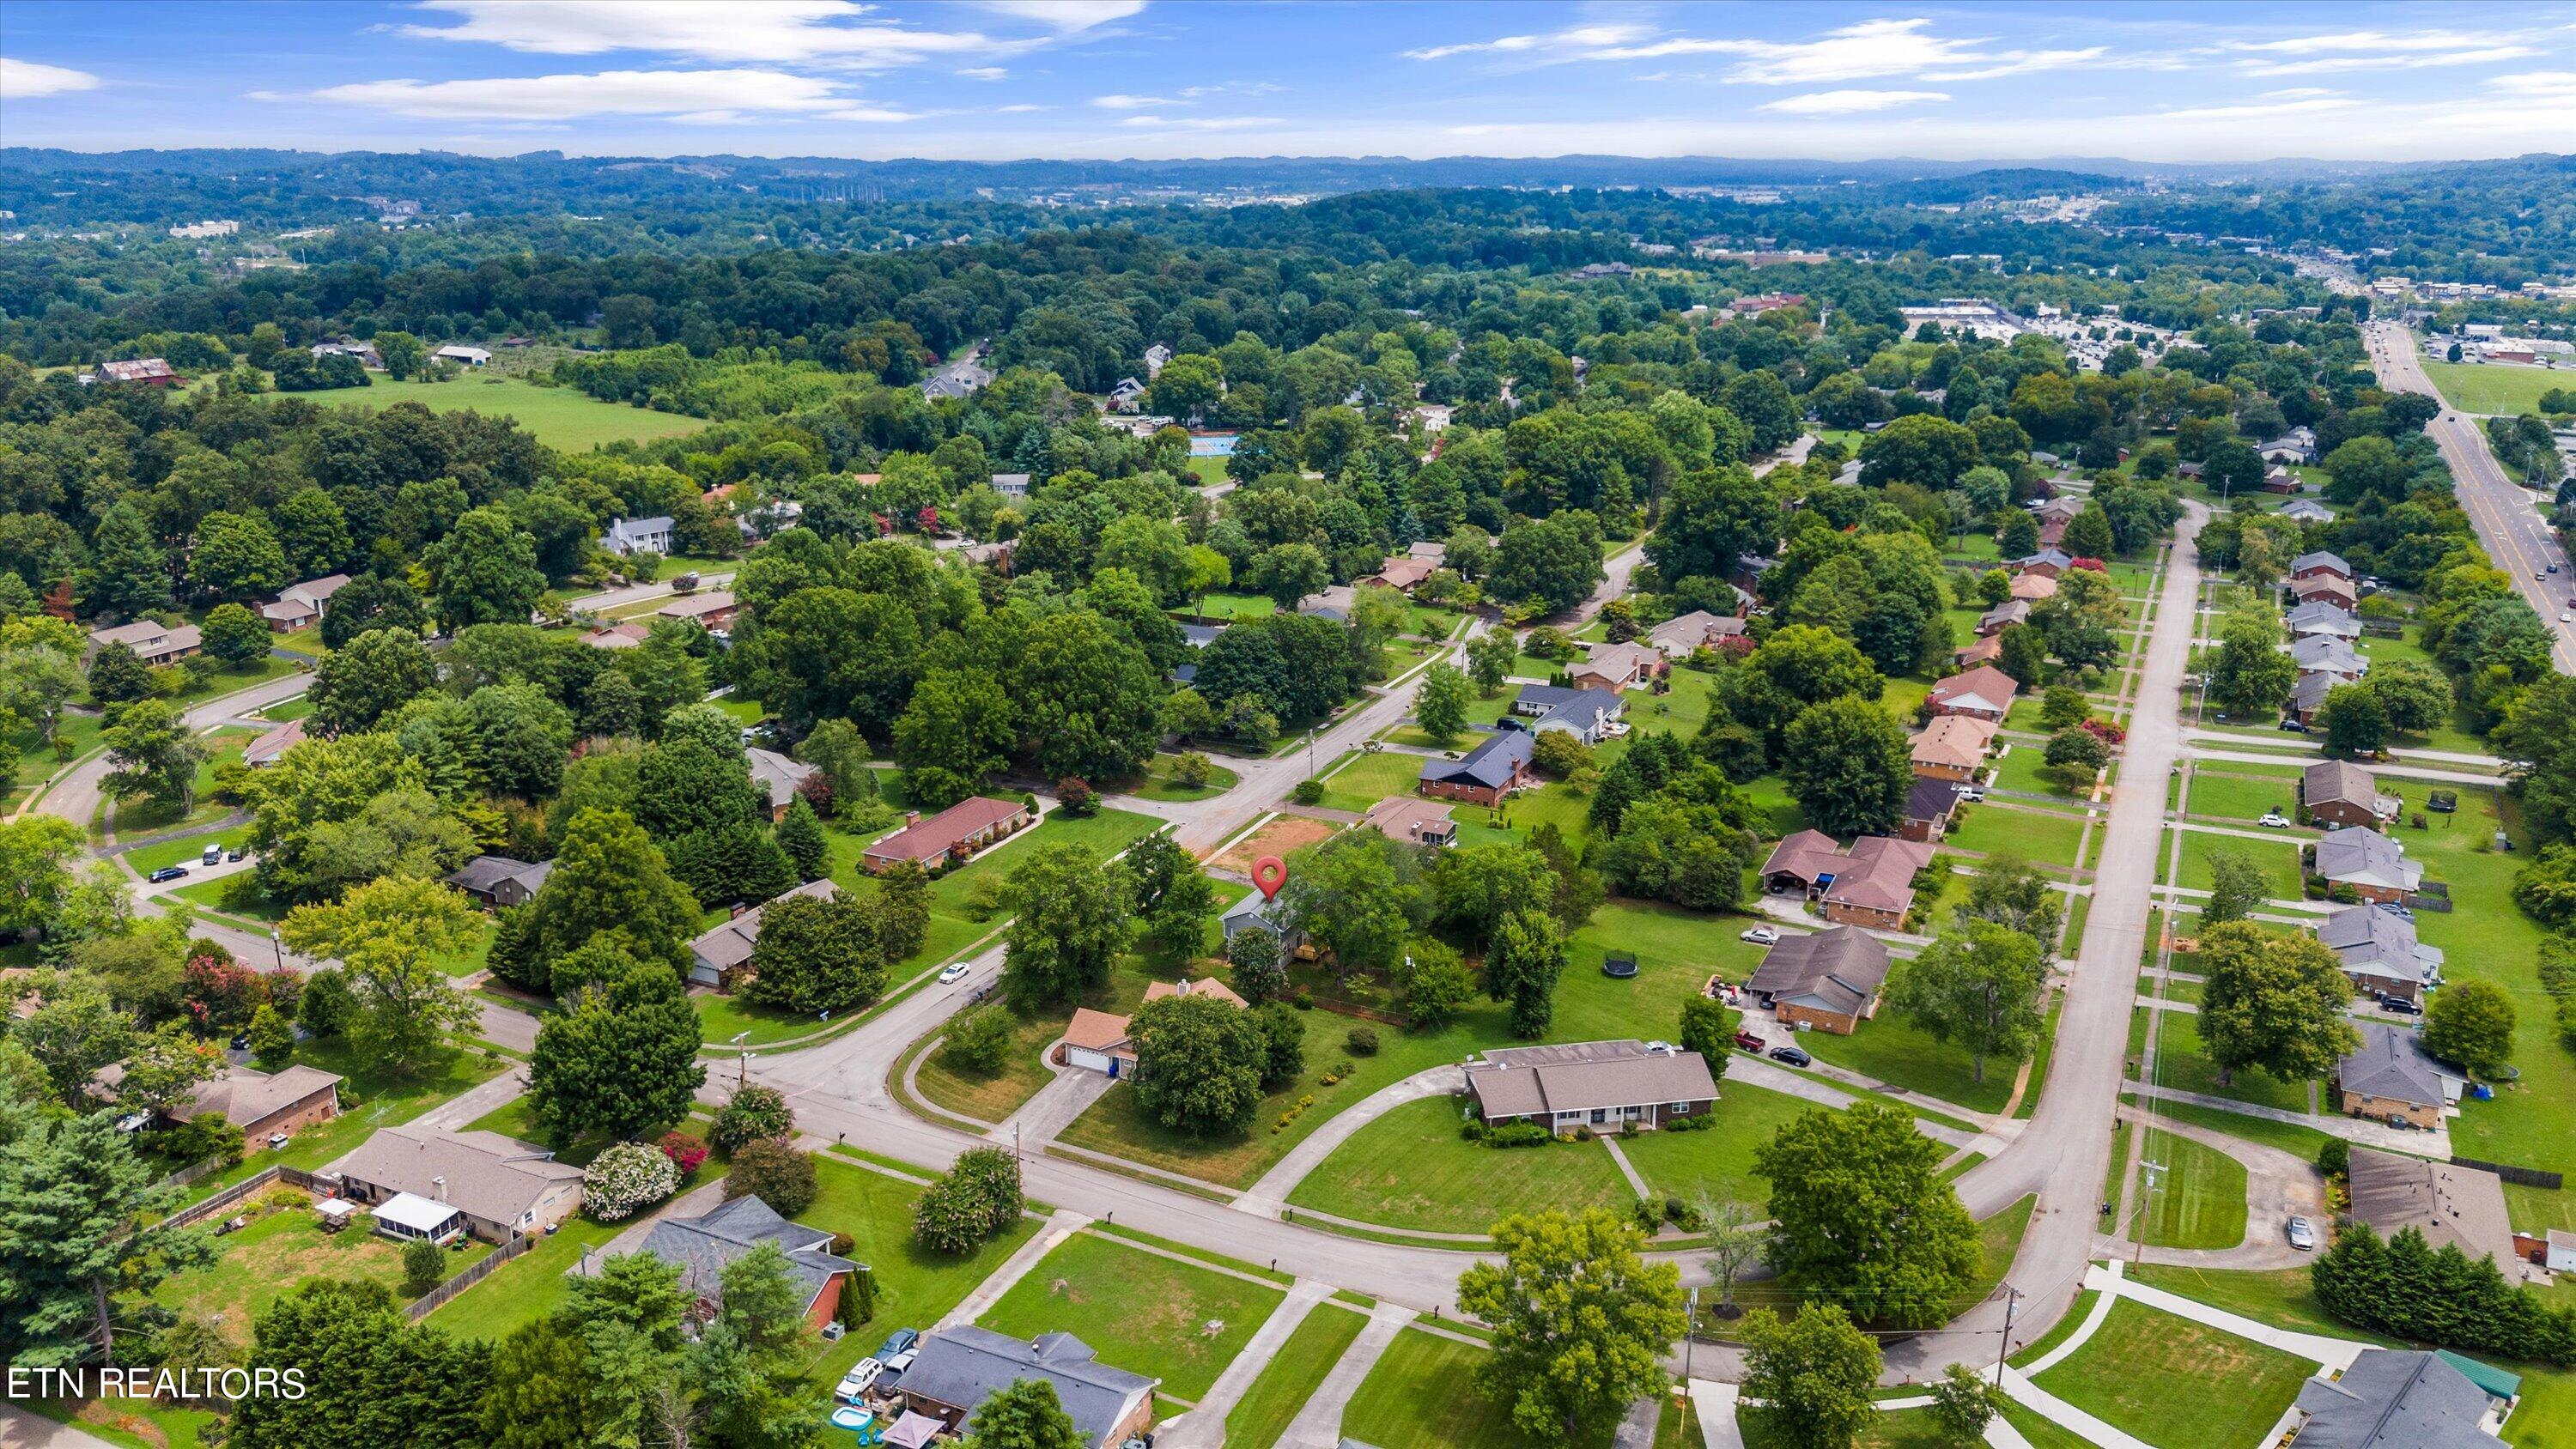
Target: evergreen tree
pixel 622 1061
pixel 800 835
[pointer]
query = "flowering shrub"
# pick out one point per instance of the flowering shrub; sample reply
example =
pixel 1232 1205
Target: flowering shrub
pixel 627 1177
pixel 687 1153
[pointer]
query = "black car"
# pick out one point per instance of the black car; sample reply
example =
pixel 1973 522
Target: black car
pixel 168 872
pixel 2294 726
pixel 1792 1055
pixel 2400 1005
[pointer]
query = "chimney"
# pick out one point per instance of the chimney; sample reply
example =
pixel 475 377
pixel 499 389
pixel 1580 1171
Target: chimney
pixel 911 817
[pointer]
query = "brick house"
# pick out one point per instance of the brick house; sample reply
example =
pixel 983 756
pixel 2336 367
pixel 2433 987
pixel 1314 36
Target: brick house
pixel 1619 667
pixel 2374 866
pixel 1826 980
pixel 701 1247
pixel 1953 747
pixel 1984 692
pixel 1602 1085
pixel 156 642
pixel 1869 884
pixel 1487 774
pixel 2338 792
pixel 500 1187
pixel 951 836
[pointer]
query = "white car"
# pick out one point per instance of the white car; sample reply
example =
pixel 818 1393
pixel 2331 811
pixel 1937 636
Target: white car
pixel 2302 1236
pixel 1761 936
pixel 2274 820
pixel 954 974
pixel 2565 617
pixel 855 1384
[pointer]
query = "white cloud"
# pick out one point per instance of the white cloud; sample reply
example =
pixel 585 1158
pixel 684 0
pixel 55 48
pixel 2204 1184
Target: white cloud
pixel 1022 109
pixel 1199 123
pixel 2295 93
pixel 720 30
pixel 984 73
pixel 1066 15
pixel 2329 64
pixel 2376 40
pixel 672 93
pixel 872 115
pixel 2545 85
pixel 1847 103
pixel 1569 42
pixel 2251 112
pixel 1132 103
pixel 22 80
pixel 1867 50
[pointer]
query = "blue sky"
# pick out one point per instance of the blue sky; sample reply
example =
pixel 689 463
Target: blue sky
pixel 1127 78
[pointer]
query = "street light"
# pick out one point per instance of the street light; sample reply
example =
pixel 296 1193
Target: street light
pixel 277 948
pixel 742 1061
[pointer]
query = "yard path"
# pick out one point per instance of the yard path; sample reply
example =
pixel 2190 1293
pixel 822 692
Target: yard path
pixel 1716 1405
pixel 989 1292
pixel 1636 1182
pixel 452 1114
pixel 1272 1188
pixel 26 1429
pixel 1204 1426
pixel 1319 1424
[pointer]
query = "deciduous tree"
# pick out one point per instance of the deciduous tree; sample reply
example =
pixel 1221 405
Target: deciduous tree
pixel 1862 1218
pixel 1581 1321
pixel 2273 1001
pixel 1978 987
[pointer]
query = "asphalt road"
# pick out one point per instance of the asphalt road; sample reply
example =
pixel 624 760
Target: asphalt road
pixel 77 795
pixel 2508 517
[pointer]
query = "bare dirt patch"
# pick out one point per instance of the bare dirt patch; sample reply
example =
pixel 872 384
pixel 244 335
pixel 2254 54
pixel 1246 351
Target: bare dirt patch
pixel 1282 835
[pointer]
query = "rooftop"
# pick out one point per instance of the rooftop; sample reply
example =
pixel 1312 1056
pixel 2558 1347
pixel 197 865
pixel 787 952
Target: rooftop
pixel 1582 1076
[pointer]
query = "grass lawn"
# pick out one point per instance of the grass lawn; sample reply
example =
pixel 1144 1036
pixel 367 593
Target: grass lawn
pixel 526 1288
pixel 369 1099
pixel 1142 1311
pixel 2301 1142
pixel 149 816
pixel 915 1287
pixel 1158 784
pixel 2181 1062
pixel 133 1422
pixel 2283 1297
pixel 1422 1395
pixel 185 850
pixel 952 928
pixel 1895 1051
pixel 1411 1169
pixel 235 895
pixel 2496 387
pixel 1998 1238
pixel 2042 1433
pixel 1292 1376
pixel 2176 1383
pixel 282 1248
pixel 2024 767
pixel 2280 862
pixel 1237 606
pixel 992 1098
pixel 293 709
pixel 1365 779
pixel 2042 837
pixel 2240 794
pixel 1678 1164
pixel 559 417
pixel 2199 1196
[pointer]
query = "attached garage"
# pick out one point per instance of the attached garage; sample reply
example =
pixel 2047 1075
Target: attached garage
pixel 1097 1042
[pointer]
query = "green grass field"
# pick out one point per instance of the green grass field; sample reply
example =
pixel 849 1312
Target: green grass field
pixel 1894 1051
pixel 559 417
pixel 2042 837
pixel 1142 1311
pixel 2175 1383
pixel 1422 1395
pixel 1292 1376
pixel 280 1249
pixel 2240 794
pixel 2199 1197
pixel 2280 862
pixel 2494 387
pixel 1411 1169
pixel 1367 779
pixel 2182 1062
pixel 1679 1164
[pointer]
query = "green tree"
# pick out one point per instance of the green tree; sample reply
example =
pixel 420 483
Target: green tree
pixel 2354 721
pixel 977 1201
pixel 388 935
pixel 622 1060
pixel 1088 697
pixel 235 635
pixel 817 956
pixel 127 576
pixel 1849 766
pixel 1287 573
pixel 1434 983
pixel 272 1041
pixel 751 1114
pixel 774 1172
pixel 2088 534
pixel 2078 750
pixel 1490 656
pixel 1814 1374
pixel 1259 975
pixel 2237 885
pixel 1475 888
pixel 1199 1063
pixel 1549 564
pixel 978 1040
pixel 1528 956
pixel 367 603
pixel 1964 1401
pixel 357 686
pixel 1581 1321
pixel 2413 694
pixel 1355 897
pixel 402 353
pixel 118 675
pixel 1978 987
pixel 368 1371
pixel 609 882
pixel 800 834
pixel 2248 674
pixel 36 680
pixel 1026 1414
pixel 236 556
pixel 151 751
pixel 1861 1217
pixel 1071 923
pixel 86 1237
pixel 957 733
pixel 2472 1023
pixel 1708 1028
pixel 484 570
pixel 1441 707
pixel 2272 1001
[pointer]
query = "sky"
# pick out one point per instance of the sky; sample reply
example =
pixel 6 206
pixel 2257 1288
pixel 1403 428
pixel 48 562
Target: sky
pixel 1001 79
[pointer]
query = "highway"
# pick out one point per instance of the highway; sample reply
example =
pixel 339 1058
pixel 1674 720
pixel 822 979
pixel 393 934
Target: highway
pixel 2507 516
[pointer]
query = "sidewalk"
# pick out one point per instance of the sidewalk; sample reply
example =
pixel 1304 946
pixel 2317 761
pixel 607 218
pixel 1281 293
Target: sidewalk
pixel 1319 1424
pixel 1204 1427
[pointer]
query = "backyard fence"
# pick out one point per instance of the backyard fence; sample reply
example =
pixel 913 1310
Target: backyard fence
pixel 2520 1176
pixel 242 1191
pixel 420 1307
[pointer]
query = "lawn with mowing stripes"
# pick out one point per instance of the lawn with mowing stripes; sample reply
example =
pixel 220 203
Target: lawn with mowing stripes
pixel 1411 1169
pixel 1292 1376
pixel 1142 1311
pixel 1678 1164
pixel 2220 792
pixel 1894 1050
pixel 2279 863
pixel 1422 1394
pixel 2496 387
pixel 2198 1200
pixel 2042 837
pixel 1367 779
pixel 2175 1383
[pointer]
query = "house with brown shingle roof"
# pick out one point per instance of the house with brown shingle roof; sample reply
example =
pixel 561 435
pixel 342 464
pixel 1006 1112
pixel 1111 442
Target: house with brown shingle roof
pixel 2339 792
pixel 1984 692
pixel 950 836
pixel 1411 820
pixel 714 609
pixel 1620 667
pixel 264 751
pixel 1400 572
pixel 719 955
pixel 1700 629
pixel 1953 747
pixel 2461 1206
pixel 1602 1085
pixel 156 642
pixel 1827 980
pixel 1871 883
pixel 2031 588
pixel 300 606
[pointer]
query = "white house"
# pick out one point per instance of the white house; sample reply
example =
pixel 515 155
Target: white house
pixel 637 535
pixel 463 356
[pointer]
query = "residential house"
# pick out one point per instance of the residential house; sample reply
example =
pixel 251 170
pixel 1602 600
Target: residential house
pixel 2391 1078
pixel 2461 1206
pixel 1995 620
pixel 1253 913
pixel 2338 792
pixel 1978 651
pixel 2320 564
pixel 2297 446
pixel 951 836
pixel 1603 1085
pixel 720 955
pixel 1415 822
pixel 1205 988
pixel 1200 636
pixel 2057 510
pixel 492 1186
pixel 2391 1398
pixel 2326 654
pixel 1618 667
pixel 1011 485
pixel 1434 417
pixel 2323 619
pixel 260 1103
pixel 1583 713
pixel 143 371
pixel 1827 980
pixel 463 356
pixel 2307 510
pixel 1929 804
pixel 1755 306
pixel 1155 357
pixel 2326 588
pixel 1984 692
pixel 714 609
pixel 1331 602
pixel 1953 747
pixel 702 1247
pixel 2052 562
pixel 1400 572
pixel 629 635
pixel 266 750
pixel 497 880
pixel 2308 696
pixel 1433 553
pixel 1685 634
pixel 2380 952
pixel 1097 1041
pixel 2372 864
pixel 2277 479
pixel 778 778
pixel 638 535
pixel 955 1370
pixel 1488 773
pixel 2190 472
pixel 156 642
pixel 1127 396
pixel 2031 588
pixel 300 607
pixel 1869 884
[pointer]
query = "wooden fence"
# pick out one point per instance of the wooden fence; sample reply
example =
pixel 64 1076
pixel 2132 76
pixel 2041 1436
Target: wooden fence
pixel 241 1192
pixel 2522 1176
pixel 420 1307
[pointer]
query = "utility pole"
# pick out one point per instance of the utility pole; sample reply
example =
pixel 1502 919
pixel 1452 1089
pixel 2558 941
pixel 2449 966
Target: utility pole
pixel 742 1062
pixel 2012 1300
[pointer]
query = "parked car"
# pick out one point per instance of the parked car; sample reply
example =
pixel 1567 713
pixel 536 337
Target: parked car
pixel 1761 936
pixel 1792 1055
pixel 212 854
pixel 2292 724
pixel 896 1342
pixel 168 872
pixel 855 1384
pixel 2564 617
pixel 1750 1042
pixel 1968 793
pixel 2274 820
pixel 2399 1005
pixel 953 973
pixel 2301 1234
pixel 2401 912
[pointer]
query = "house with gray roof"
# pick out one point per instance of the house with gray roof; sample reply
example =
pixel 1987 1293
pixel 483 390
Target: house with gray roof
pixel 1582 713
pixel 497 880
pixel 2380 951
pixel 2308 695
pixel 777 777
pixel 2322 618
pixel 502 1187
pixel 2339 792
pixel 1828 980
pixel 1603 1085
pixel 2372 864
pixel 2307 510
pixel 2392 1076
pixel 2321 562
pixel 720 954
pixel 1011 485
pixel 1200 636
pixel 1252 913
pixel 2392 1398
pixel 2326 654
pixel 2461 1206
pixel 625 536
pixel 702 1247
pixel 956 1369
pixel 1486 774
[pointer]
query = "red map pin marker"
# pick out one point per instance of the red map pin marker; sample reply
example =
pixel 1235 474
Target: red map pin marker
pixel 1269 873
